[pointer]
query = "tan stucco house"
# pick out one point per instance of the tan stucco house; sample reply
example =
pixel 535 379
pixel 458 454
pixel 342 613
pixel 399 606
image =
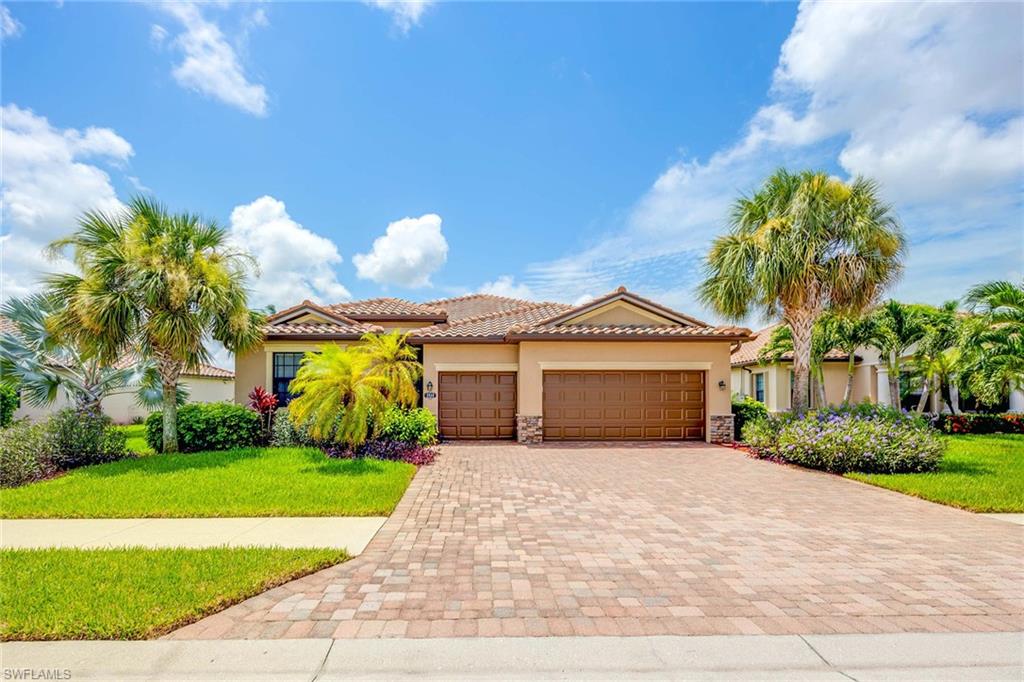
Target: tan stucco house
pixel 620 367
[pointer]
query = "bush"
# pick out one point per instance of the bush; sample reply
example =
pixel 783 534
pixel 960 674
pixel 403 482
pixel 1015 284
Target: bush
pixel 745 409
pixel 869 439
pixel 84 438
pixel 25 454
pixel 285 434
pixel 1007 422
pixel 417 426
pixel 208 426
pixel 390 450
pixel 8 404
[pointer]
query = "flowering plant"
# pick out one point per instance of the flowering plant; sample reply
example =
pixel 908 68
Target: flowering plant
pixel 390 450
pixel 1009 422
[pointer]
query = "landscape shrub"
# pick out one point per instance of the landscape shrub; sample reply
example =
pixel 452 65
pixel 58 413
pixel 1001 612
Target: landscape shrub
pixel 8 404
pixel 417 425
pixel 208 426
pixel 285 434
pixel 390 450
pixel 82 438
pixel 1006 422
pixel 746 409
pixel 870 439
pixel 265 405
pixel 25 454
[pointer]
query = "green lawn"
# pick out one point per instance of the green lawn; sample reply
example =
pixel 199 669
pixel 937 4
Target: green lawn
pixel 136 438
pixel 978 473
pixel 246 482
pixel 135 593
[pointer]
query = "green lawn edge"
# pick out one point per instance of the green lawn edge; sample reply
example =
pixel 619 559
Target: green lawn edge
pixel 134 593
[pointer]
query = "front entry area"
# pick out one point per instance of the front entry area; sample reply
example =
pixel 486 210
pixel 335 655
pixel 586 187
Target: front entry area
pixel 624 405
pixel 477 405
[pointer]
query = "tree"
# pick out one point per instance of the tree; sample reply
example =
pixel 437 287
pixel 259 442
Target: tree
pixel 897 327
pixel 390 357
pixel 781 343
pixel 992 341
pixel 851 332
pixel 157 282
pixel 337 394
pixel 936 359
pixel 42 365
pixel 803 243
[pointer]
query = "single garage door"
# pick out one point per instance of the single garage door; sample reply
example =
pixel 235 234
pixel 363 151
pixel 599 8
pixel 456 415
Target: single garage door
pixel 624 405
pixel 477 405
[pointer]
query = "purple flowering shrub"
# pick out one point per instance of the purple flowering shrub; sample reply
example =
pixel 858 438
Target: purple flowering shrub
pixel 390 450
pixel 869 439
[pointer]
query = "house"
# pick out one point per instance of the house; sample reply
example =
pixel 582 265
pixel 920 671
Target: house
pixel 620 367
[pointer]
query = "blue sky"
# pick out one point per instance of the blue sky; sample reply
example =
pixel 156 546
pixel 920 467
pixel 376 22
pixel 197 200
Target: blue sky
pixel 540 150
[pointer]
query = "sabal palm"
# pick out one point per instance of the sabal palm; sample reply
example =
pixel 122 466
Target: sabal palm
pixel 42 366
pixel 822 341
pixel 804 242
pixel 992 342
pixel 336 395
pixel 897 326
pixel 158 283
pixel 389 356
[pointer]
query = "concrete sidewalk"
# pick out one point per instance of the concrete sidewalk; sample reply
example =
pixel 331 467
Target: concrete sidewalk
pixel 351 533
pixel 988 656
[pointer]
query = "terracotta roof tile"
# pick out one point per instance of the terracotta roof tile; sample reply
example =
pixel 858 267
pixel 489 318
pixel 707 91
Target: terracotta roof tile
pixel 384 308
pixel 474 305
pixel 318 329
pixel 492 325
pixel 7 326
pixel 747 353
pixel 628 330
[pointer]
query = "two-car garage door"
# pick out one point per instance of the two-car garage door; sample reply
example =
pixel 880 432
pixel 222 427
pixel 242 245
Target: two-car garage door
pixel 578 405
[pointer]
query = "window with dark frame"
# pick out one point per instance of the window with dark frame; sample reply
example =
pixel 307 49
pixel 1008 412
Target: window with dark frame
pixel 285 367
pixel 759 387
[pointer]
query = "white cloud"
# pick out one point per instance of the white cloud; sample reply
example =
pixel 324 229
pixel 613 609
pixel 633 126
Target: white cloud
pixel 158 35
pixel 295 263
pixel 505 285
pixel 410 251
pixel 47 184
pixel 404 13
pixel 900 92
pixel 9 26
pixel 211 65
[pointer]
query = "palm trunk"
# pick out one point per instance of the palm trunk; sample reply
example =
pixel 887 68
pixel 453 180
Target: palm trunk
pixel 822 398
pixel 926 392
pixel 800 324
pixel 170 371
pixel 850 368
pixel 894 381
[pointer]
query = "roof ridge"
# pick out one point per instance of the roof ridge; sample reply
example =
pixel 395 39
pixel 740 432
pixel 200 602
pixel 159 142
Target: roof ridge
pixel 466 297
pixel 306 303
pixel 529 305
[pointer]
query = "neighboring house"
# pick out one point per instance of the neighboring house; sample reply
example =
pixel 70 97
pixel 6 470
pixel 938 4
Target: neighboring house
pixel 620 367
pixel 208 384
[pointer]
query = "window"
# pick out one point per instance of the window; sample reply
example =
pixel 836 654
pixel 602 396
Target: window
pixel 285 366
pixel 759 387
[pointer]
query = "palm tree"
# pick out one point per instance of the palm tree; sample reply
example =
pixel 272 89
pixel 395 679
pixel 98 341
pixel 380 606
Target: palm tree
pixel 992 342
pixel 43 366
pixel 389 356
pixel 803 243
pixel 851 332
pixel 897 327
pixel 337 394
pixel 936 357
pixel 158 283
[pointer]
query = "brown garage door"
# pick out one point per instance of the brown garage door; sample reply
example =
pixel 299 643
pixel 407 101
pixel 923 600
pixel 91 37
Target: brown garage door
pixel 621 405
pixel 477 405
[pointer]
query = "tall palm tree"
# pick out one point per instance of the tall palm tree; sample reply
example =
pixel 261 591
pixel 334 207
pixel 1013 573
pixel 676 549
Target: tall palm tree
pixel 851 332
pixel 389 356
pixel 43 366
pixel 804 242
pixel 157 283
pixel 936 357
pixel 336 395
pixel 897 327
pixel 992 342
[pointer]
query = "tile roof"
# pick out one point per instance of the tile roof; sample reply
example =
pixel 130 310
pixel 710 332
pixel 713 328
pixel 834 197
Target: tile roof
pixel 747 354
pixel 474 305
pixel 494 325
pixel 211 372
pixel 319 329
pixel 387 308
pixel 628 330
pixel 7 326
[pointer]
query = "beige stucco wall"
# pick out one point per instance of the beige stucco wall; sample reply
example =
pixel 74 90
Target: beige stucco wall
pixel 466 357
pixel 619 312
pixel 536 356
pixel 778 388
pixel 256 368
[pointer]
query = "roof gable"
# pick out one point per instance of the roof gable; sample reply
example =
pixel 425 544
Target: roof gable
pixel 622 307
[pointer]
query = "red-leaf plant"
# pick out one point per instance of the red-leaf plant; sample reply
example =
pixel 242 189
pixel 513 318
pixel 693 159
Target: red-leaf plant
pixel 265 405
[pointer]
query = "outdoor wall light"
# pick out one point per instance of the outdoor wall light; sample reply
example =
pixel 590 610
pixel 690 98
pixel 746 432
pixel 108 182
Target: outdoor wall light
pixel 721 385
pixel 430 386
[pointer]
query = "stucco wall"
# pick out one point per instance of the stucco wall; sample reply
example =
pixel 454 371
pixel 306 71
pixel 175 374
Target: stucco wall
pixel 467 357
pixel 536 356
pixel 256 368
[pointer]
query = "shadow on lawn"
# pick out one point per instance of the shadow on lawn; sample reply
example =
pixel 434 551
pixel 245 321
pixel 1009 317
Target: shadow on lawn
pixel 153 465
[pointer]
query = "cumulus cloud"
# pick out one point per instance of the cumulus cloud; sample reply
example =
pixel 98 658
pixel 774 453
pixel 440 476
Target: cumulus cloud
pixel 50 176
pixel 899 92
pixel 9 26
pixel 210 63
pixel 506 285
pixel 410 250
pixel 295 263
pixel 404 13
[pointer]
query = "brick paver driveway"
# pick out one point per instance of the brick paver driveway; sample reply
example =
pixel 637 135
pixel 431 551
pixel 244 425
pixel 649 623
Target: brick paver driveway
pixel 509 540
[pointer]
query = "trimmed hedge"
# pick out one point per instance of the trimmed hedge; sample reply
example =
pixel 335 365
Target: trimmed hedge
pixel 417 425
pixel 208 426
pixel 745 410
pixel 1006 422
pixel 865 438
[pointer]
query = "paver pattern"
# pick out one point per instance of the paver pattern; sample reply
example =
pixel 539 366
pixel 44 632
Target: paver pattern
pixel 645 540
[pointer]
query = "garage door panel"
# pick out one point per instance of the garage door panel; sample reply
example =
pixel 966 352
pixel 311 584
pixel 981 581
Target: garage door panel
pixel 624 405
pixel 477 405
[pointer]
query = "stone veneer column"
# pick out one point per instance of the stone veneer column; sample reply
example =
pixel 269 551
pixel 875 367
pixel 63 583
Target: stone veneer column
pixel 721 428
pixel 529 429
